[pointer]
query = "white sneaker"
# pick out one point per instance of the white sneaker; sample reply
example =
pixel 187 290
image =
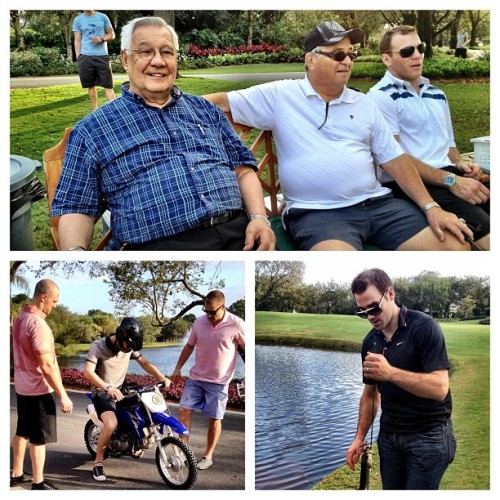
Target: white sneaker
pixel 204 463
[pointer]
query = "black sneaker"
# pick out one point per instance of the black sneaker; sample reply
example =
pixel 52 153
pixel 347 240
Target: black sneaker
pixel 23 478
pixel 98 472
pixel 44 485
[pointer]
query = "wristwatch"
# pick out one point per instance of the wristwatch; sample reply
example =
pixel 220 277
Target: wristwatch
pixel 108 387
pixel 449 181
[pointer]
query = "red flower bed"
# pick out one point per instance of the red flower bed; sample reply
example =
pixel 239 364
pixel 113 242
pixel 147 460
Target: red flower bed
pixel 74 379
pixel 195 51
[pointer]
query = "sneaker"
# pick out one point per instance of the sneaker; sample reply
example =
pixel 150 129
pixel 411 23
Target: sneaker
pixel 98 472
pixel 44 485
pixel 23 478
pixel 204 463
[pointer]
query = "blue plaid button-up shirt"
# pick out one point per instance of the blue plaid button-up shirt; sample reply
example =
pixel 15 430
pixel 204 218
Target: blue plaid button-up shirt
pixel 159 171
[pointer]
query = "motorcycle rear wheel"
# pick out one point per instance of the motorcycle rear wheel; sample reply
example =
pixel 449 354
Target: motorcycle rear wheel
pixel 181 470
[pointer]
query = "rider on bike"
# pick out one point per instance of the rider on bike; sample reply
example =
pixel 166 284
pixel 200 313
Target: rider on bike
pixel 105 368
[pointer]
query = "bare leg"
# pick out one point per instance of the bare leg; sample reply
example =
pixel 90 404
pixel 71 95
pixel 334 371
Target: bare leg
pixel 332 245
pixel 37 454
pixel 110 423
pixel 19 445
pixel 214 432
pixel 93 97
pixel 110 94
pixel 427 240
pixel 185 418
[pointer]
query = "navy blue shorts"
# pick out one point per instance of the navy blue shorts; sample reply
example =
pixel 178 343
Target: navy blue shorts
pixel 386 222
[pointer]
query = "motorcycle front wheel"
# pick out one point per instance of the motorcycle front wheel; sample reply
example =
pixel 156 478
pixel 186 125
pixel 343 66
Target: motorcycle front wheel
pixel 181 470
pixel 91 435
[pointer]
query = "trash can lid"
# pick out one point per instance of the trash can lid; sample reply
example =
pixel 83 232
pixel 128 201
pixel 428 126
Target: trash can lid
pixel 22 170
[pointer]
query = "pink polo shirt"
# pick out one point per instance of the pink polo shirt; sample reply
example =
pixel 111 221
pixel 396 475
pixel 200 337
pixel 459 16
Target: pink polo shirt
pixel 31 335
pixel 216 348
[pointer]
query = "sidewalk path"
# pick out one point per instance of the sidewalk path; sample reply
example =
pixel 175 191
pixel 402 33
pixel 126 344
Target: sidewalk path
pixel 50 81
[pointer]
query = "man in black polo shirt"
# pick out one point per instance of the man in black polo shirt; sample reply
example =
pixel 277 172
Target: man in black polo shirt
pixel 405 371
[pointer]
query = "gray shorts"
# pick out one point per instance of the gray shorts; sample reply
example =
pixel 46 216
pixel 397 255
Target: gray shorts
pixel 209 398
pixel 386 222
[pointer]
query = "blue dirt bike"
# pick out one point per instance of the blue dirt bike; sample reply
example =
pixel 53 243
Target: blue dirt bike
pixel 143 418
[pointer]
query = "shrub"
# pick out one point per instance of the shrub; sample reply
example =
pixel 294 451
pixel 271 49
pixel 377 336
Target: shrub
pixel 25 64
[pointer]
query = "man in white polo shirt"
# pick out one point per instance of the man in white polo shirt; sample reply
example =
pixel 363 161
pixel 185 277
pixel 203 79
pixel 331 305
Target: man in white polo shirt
pixel 419 117
pixel 328 138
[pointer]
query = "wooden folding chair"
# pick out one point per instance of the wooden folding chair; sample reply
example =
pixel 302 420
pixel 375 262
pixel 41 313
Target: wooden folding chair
pixel 52 164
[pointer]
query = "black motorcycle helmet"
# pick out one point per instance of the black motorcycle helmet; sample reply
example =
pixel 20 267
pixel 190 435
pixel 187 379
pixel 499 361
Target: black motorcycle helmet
pixel 130 335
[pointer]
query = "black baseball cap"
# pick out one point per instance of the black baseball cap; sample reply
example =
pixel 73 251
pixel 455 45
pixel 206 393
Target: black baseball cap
pixel 330 32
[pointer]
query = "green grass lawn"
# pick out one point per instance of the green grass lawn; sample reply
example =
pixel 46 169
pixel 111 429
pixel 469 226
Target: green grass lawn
pixel 468 345
pixel 40 115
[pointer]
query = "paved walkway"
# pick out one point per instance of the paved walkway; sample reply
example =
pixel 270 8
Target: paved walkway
pixel 50 81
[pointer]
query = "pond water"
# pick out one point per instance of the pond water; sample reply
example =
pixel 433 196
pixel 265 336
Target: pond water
pixel 306 407
pixel 165 358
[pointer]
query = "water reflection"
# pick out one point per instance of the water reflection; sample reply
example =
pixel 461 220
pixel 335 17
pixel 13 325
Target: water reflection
pixel 306 406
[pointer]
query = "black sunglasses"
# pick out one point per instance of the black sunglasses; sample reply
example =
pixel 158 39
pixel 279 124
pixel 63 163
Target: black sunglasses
pixel 340 55
pixel 406 52
pixel 211 312
pixel 372 310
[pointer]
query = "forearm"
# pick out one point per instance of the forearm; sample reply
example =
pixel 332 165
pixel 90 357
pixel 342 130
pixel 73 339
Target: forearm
pixel 406 175
pixel 219 99
pixel 184 356
pixel 434 385
pixel 50 371
pixel 75 230
pixel 251 191
pixel 368 408
pixel 428 174
pixel 94 379
pixel 110 35
pixel 152 370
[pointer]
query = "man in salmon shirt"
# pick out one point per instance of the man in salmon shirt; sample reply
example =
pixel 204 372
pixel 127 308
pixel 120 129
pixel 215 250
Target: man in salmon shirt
pixel 216 337
pixel 36 377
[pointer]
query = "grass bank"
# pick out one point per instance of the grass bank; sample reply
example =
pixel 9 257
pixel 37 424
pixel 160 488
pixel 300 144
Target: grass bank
pixel 468 345
pixel 38 117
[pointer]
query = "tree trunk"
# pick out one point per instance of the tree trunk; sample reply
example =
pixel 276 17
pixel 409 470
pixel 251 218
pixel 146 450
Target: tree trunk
pixel 424 28
pixel 250 27
pixel 15 21
pixel 168 15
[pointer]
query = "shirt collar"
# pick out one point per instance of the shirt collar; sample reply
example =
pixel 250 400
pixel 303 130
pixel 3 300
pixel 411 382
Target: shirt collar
pixel 34 310
pixel 423 82
pixel 308 89
pixel 128 94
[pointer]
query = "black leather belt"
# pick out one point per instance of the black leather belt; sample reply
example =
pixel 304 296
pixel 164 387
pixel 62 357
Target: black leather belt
pixel 212 221
pixel 215 221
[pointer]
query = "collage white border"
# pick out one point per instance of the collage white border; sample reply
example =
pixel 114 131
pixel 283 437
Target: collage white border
pixel 358 261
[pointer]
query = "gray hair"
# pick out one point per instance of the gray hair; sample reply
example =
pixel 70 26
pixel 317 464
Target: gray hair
pixel 128 30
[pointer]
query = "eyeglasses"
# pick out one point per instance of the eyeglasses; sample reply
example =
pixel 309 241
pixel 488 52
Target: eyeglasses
pixel 211 312
pixel 372 310
pixel 148 54
pixel 406 52
pixel 340 55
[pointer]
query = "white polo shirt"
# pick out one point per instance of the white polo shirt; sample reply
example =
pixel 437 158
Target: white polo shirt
pixel 421 120
pixel 331 167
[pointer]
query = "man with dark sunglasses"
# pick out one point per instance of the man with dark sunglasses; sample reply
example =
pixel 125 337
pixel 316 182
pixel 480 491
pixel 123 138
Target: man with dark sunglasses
pixel 405 372
pixel 216 336
pixel 419 117
pixel 328 138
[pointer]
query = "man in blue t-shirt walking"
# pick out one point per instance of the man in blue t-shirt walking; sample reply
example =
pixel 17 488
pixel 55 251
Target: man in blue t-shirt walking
pixel 92 30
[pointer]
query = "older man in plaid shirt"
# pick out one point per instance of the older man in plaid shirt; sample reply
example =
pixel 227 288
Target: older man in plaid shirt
pixel 168 165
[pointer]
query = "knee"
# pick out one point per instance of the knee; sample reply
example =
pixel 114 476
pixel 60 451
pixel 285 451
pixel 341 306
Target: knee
pixel 453 244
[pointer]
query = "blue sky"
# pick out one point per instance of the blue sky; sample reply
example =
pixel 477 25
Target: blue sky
pixel 81 293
